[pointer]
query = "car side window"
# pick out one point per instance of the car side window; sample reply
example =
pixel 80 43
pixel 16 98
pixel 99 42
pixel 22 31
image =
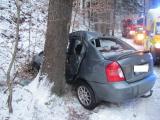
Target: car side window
pixel 96 42
pixel 78 47
pixel 75 46
pixel 71 44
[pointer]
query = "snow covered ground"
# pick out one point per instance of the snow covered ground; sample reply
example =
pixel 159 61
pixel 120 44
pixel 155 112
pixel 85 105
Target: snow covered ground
pixel 34 101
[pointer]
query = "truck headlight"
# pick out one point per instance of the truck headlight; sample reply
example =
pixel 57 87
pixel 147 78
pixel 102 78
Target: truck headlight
pixel 157 45
pixel 132 32
pixel 140 36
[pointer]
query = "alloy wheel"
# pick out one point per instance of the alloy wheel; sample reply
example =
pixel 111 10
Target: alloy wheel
pixel 84 95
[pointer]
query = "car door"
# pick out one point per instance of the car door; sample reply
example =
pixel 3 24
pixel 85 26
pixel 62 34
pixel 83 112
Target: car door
pixel 75 54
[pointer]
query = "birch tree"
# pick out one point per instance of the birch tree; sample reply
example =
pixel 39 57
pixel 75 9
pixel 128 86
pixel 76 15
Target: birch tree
pixel 9 81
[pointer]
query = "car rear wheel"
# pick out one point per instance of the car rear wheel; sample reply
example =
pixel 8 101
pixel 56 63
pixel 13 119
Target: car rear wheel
pixel 86 96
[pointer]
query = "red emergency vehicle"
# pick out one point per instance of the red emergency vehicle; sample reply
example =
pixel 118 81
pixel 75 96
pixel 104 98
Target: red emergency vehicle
pixel 129 26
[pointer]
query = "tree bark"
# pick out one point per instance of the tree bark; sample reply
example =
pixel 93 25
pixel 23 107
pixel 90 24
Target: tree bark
pixel 59 17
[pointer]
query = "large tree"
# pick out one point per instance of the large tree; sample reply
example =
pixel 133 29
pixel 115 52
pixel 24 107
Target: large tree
pixel 59 17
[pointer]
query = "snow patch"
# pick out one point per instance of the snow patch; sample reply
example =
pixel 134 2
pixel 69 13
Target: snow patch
pixel 40 89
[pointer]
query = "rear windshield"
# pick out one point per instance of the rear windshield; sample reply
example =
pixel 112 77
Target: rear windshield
pixel 140 21
pixel 110 47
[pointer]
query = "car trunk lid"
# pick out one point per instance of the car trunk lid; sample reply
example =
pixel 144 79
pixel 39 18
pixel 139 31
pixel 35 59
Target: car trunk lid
pixel 135 65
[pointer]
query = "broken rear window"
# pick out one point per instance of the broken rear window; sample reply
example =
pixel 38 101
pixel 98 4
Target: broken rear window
pixel 110 47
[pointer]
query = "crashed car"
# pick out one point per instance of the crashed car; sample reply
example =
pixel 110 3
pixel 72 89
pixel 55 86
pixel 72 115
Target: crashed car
pixel 106 69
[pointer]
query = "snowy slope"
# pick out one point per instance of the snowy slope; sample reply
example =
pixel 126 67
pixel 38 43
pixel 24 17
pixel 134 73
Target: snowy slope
pixel 33 21
pixel 34 102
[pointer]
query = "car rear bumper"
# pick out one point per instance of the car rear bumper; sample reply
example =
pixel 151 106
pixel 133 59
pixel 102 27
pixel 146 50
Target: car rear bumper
pixel 119 92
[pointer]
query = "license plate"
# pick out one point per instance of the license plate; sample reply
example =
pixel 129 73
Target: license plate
pixel 141 68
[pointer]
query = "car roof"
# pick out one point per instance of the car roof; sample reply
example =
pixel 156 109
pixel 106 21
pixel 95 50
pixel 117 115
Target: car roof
pixel 86 35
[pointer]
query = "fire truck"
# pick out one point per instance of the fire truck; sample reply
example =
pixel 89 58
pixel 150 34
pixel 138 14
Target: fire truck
pixel 129 26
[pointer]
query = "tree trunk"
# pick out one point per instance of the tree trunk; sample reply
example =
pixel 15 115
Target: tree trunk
pixel 9 81
pixel 59 17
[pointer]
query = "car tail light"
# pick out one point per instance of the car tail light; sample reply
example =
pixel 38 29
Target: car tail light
pixel 114 72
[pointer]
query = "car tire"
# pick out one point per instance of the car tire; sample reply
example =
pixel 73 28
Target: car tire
pixel 154 56
pixel 86 96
